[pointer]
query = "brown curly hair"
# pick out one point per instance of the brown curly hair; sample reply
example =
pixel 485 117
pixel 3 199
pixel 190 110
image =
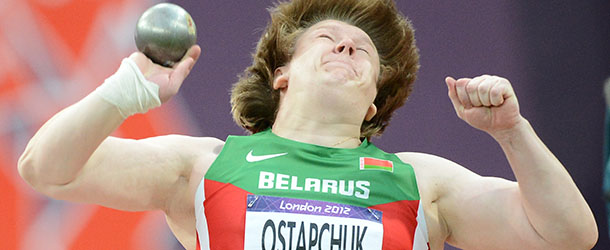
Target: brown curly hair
pixel 255 103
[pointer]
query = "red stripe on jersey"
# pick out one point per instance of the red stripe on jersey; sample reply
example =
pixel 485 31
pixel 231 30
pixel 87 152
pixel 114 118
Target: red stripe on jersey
pixel 399 222
pixel 198 244
pixel 225 212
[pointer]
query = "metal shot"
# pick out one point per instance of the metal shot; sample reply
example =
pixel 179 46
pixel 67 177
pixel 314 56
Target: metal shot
pixel 164 33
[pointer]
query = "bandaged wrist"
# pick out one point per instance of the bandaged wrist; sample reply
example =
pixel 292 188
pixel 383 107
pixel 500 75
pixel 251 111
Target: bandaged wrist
pixel 129 90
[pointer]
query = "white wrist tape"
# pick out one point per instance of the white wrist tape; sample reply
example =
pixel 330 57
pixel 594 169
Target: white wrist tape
pixel 129 90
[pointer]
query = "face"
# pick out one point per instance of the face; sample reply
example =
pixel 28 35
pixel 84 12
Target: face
pixel 333 60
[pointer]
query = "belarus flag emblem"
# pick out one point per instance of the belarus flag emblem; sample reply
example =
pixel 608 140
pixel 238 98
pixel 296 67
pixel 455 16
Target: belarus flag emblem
pixel 368 163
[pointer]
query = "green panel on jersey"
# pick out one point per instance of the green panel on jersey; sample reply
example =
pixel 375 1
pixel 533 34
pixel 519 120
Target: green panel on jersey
pixel 266 164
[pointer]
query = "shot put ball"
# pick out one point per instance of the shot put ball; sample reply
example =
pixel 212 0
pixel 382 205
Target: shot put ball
pixel 164 33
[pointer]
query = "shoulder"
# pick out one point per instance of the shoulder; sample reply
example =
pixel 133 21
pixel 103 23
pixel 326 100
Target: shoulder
pixel 209 149
pixel 188 149
pixel 423 158
pixel 200 152
pixel 192 156
pixel 437 178
pixel 428 172
pixel 435 174
pixel 186 143
pixel 432 166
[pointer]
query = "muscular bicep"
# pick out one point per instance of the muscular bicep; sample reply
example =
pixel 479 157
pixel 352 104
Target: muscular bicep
pixel 471 211
pixel 484 212
pixel 135 175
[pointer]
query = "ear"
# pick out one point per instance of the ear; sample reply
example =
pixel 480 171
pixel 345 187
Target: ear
pixel 280 78
pixel 370 113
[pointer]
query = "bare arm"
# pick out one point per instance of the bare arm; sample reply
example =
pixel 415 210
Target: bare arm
pixel 71 157
pixel 555 207
pixel 59 149
pixel 542 210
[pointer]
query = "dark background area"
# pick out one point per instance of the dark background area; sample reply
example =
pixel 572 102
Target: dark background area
pixel 556 54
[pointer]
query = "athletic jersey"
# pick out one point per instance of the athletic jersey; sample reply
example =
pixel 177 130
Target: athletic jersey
pixel 267 192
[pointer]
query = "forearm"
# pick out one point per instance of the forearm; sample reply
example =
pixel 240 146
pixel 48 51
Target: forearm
pixel 58 151
pixel 553 204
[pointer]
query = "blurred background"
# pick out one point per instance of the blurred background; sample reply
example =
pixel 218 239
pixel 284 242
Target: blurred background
pixel 54 52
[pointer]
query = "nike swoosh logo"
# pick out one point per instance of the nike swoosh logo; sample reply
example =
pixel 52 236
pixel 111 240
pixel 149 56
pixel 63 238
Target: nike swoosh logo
pixel 255 158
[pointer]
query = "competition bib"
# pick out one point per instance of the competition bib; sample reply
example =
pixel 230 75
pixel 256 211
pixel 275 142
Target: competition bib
pixel 288 223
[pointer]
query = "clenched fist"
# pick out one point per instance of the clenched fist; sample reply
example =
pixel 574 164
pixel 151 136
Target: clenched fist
pixel 486 102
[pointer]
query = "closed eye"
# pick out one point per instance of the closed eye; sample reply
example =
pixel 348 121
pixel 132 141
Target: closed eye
pixel 362 49
pixel 326 36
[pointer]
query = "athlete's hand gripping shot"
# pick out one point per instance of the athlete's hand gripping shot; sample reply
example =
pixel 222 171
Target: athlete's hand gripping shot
pixel 326 77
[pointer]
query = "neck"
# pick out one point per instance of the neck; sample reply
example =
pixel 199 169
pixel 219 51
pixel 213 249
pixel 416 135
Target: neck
pixel 324 133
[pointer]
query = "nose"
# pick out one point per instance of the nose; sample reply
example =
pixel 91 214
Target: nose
pixel 345 46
